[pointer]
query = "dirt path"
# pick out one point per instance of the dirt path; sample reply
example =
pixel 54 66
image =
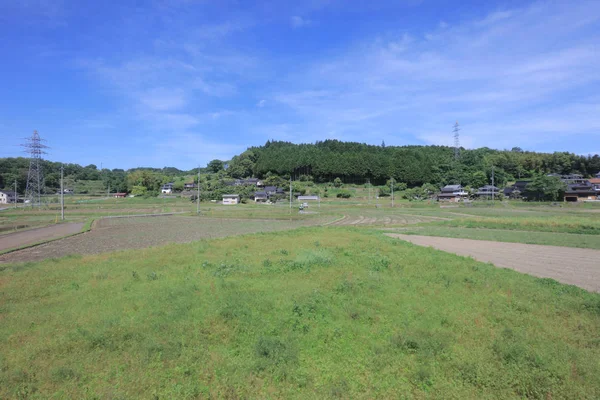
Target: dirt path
pixel 573 266
pixel 18 239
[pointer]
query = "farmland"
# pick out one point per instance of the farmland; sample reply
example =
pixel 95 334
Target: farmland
pixel 257 301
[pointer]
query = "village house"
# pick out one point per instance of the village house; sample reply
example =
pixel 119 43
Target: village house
pixel 248 182
pixel 487 191
pixel 580 192
pixel 517 190
pixel 595 182
pixel 167 188
pixel 7 197
pixel 119 195
pixel 189 186
pixel 231 199
pixel 261 197
pixel 453 193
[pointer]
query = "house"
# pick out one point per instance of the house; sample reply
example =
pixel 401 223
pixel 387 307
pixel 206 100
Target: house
pixel 517 190
pixel 487 191
pixel 580 192
pixel 119 195
pixel 598 175
pixel 595 182
pixel 261 197
pixel 167 188
pixel 7 197
pixel 454 193
pixel 189 186
pixel 248 182
pixel 231 199
pixel 271 190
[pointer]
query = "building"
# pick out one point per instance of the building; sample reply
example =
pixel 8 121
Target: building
pixel 517 190
pixel 595 182
pixel 453 193
pixel 248 182
pixel 231 199
pixel 7 197
pixel 261 197
pixel 119 195
pixel 580 192
pixel 167 188
pixel 189 186
pixel 487 191
pixel 598 175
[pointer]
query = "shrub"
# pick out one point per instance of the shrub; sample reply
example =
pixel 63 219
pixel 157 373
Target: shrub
pixel 344 194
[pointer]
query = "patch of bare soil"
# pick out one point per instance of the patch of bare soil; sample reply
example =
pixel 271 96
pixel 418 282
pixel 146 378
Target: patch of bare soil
pixel 580 267
pixel 23 238
pixel 359 220
pixel 135 233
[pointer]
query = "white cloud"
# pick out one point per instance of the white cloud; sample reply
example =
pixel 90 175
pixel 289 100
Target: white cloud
pixel 261 103
pixel 299 22
pixel 495 73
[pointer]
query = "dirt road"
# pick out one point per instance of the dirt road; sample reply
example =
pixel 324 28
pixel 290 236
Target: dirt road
pixel 18 239
pixel 580 267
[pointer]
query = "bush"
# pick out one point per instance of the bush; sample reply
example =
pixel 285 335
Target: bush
pixel 344 194
pixel 337 182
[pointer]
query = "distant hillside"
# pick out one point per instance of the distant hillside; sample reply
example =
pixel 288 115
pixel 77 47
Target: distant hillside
pixel 414 165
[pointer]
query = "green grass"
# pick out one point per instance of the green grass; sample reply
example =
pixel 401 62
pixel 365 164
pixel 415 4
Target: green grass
pixel 497 235
pixel 311 313
pixel 552 223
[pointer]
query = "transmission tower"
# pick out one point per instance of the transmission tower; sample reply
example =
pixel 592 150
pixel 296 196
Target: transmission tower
pixel 456 141
pixel 35 147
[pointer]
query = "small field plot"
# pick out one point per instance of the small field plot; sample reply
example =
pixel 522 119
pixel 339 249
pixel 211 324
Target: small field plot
pixel 134 233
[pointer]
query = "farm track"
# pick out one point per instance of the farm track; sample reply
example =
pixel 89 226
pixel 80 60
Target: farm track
pixel 32 236
pixel 572 266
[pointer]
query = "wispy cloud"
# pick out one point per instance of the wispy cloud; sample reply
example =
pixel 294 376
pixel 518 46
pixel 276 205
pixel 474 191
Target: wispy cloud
pixel 299 22
pixel 510 72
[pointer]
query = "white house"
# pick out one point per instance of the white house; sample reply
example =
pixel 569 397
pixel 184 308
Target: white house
pixel 453 193
pixel 231 198
pixel 167 188
pixel 7 197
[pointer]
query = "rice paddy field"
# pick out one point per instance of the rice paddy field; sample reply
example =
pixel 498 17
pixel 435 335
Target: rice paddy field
pixel 256 301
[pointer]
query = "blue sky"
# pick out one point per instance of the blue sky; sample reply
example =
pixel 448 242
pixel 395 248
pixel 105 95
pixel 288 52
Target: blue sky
pixel 180 82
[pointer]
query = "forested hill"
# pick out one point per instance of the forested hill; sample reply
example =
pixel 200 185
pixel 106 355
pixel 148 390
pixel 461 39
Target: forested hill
pixel 327 160
pixel 414 165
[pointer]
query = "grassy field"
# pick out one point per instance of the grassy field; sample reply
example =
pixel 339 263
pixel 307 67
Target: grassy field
pixel 310 313
pixel 511 236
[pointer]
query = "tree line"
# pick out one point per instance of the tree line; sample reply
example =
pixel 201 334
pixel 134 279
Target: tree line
pixel 324 161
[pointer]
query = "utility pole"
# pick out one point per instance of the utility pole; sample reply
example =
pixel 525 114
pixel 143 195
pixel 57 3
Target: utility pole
pixel 16 194
pixel 62 193
pixel 369 183
pixel 198 195
pixel 392 184
pixel 493 187
pixel 290 194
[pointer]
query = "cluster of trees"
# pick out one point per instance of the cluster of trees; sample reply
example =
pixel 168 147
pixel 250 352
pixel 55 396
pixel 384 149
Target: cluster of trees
pixel 118 180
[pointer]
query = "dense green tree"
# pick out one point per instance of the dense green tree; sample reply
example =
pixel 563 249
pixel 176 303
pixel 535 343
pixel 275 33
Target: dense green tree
pixel 545 188
pixel 215 166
